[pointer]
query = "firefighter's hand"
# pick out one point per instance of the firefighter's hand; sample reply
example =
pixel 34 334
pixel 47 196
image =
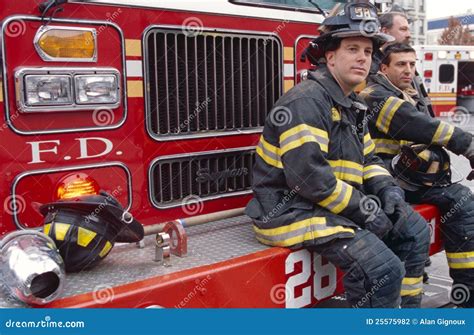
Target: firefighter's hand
pixel 392 198
pixel 379 224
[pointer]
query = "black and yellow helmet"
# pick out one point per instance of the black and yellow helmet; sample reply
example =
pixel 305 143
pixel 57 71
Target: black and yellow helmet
pixel 420 165
pixel 352 20
pixel 86 228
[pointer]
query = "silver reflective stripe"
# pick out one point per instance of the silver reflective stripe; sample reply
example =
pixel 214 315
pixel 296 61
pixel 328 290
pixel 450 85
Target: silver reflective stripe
pixel 348 170
pixel 339 199
pixel 292 234
pixel 444 133
pixel 391 147
pixel 269 153
pixel 301 134
pixel 461 260
pixel 384 121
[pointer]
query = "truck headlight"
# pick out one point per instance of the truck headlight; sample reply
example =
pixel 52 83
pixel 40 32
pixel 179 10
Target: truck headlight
pixel 67 89
pixel 96 89
pixel 47 90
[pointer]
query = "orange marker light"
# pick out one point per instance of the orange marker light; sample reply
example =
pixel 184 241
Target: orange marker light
pixel 76 185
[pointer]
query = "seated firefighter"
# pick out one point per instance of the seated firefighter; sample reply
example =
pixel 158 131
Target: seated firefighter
pixel 396 115
pixel 315 177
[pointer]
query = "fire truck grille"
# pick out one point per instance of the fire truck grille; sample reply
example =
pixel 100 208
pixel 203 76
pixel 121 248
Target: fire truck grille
pixel 200 84
pixel 182 179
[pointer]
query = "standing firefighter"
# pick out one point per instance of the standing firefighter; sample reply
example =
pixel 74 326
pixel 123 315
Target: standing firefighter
pixel 316 165
pixel 396 116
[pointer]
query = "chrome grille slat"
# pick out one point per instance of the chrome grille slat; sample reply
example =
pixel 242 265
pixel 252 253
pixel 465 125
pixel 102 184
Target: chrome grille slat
pixel 174 178
pixel 209 84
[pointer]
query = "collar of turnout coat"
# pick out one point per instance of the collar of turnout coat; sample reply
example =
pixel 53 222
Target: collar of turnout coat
pixel 327 81
pixel 409 94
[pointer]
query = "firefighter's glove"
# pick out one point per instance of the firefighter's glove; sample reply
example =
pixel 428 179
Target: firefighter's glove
pixel 379 223
pixel 392 198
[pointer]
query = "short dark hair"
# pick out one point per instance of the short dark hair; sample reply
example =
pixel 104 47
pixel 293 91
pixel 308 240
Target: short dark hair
pixel 395 48
pixel 386 20
pixel 333 44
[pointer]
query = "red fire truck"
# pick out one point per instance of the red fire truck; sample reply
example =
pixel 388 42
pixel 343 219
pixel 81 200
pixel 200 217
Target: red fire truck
pixel 159 103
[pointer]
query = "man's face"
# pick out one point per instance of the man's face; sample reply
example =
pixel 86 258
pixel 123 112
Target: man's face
pixel 400 29
pixel 401 69
pixel 350 63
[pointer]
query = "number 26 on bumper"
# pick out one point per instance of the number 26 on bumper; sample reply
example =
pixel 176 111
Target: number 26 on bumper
pixel 303 259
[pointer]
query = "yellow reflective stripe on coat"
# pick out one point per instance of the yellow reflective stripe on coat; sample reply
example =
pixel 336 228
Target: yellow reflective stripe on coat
pixel 443 134
pixel 347 170
pixel 460 260
pixel 411 286
pixel 369 145
pixel 298 232
pixel 371 171
pixel 386 146
pixel 301 134
pixel 338 200
pixel 386 114
pixel 269 153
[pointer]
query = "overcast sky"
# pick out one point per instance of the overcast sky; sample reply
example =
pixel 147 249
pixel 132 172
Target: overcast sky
pixel 442 8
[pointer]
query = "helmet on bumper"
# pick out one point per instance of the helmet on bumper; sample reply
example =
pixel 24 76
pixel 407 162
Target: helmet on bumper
pixel 419 165
pixel 85 228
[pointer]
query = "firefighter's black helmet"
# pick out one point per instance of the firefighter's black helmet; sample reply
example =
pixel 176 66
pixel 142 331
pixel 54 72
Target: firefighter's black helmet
pixel 86 228
pixel 419 165
pixel 354 19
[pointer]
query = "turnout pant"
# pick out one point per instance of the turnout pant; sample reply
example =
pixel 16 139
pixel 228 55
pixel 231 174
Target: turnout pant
pixel 456 204
pixel 382 273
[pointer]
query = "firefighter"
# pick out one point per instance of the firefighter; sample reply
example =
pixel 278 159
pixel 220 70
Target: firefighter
pixel 396 24
pixel 317 182
pixel 395 117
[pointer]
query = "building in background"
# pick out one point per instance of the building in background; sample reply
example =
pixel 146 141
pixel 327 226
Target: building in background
pixel 436 26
